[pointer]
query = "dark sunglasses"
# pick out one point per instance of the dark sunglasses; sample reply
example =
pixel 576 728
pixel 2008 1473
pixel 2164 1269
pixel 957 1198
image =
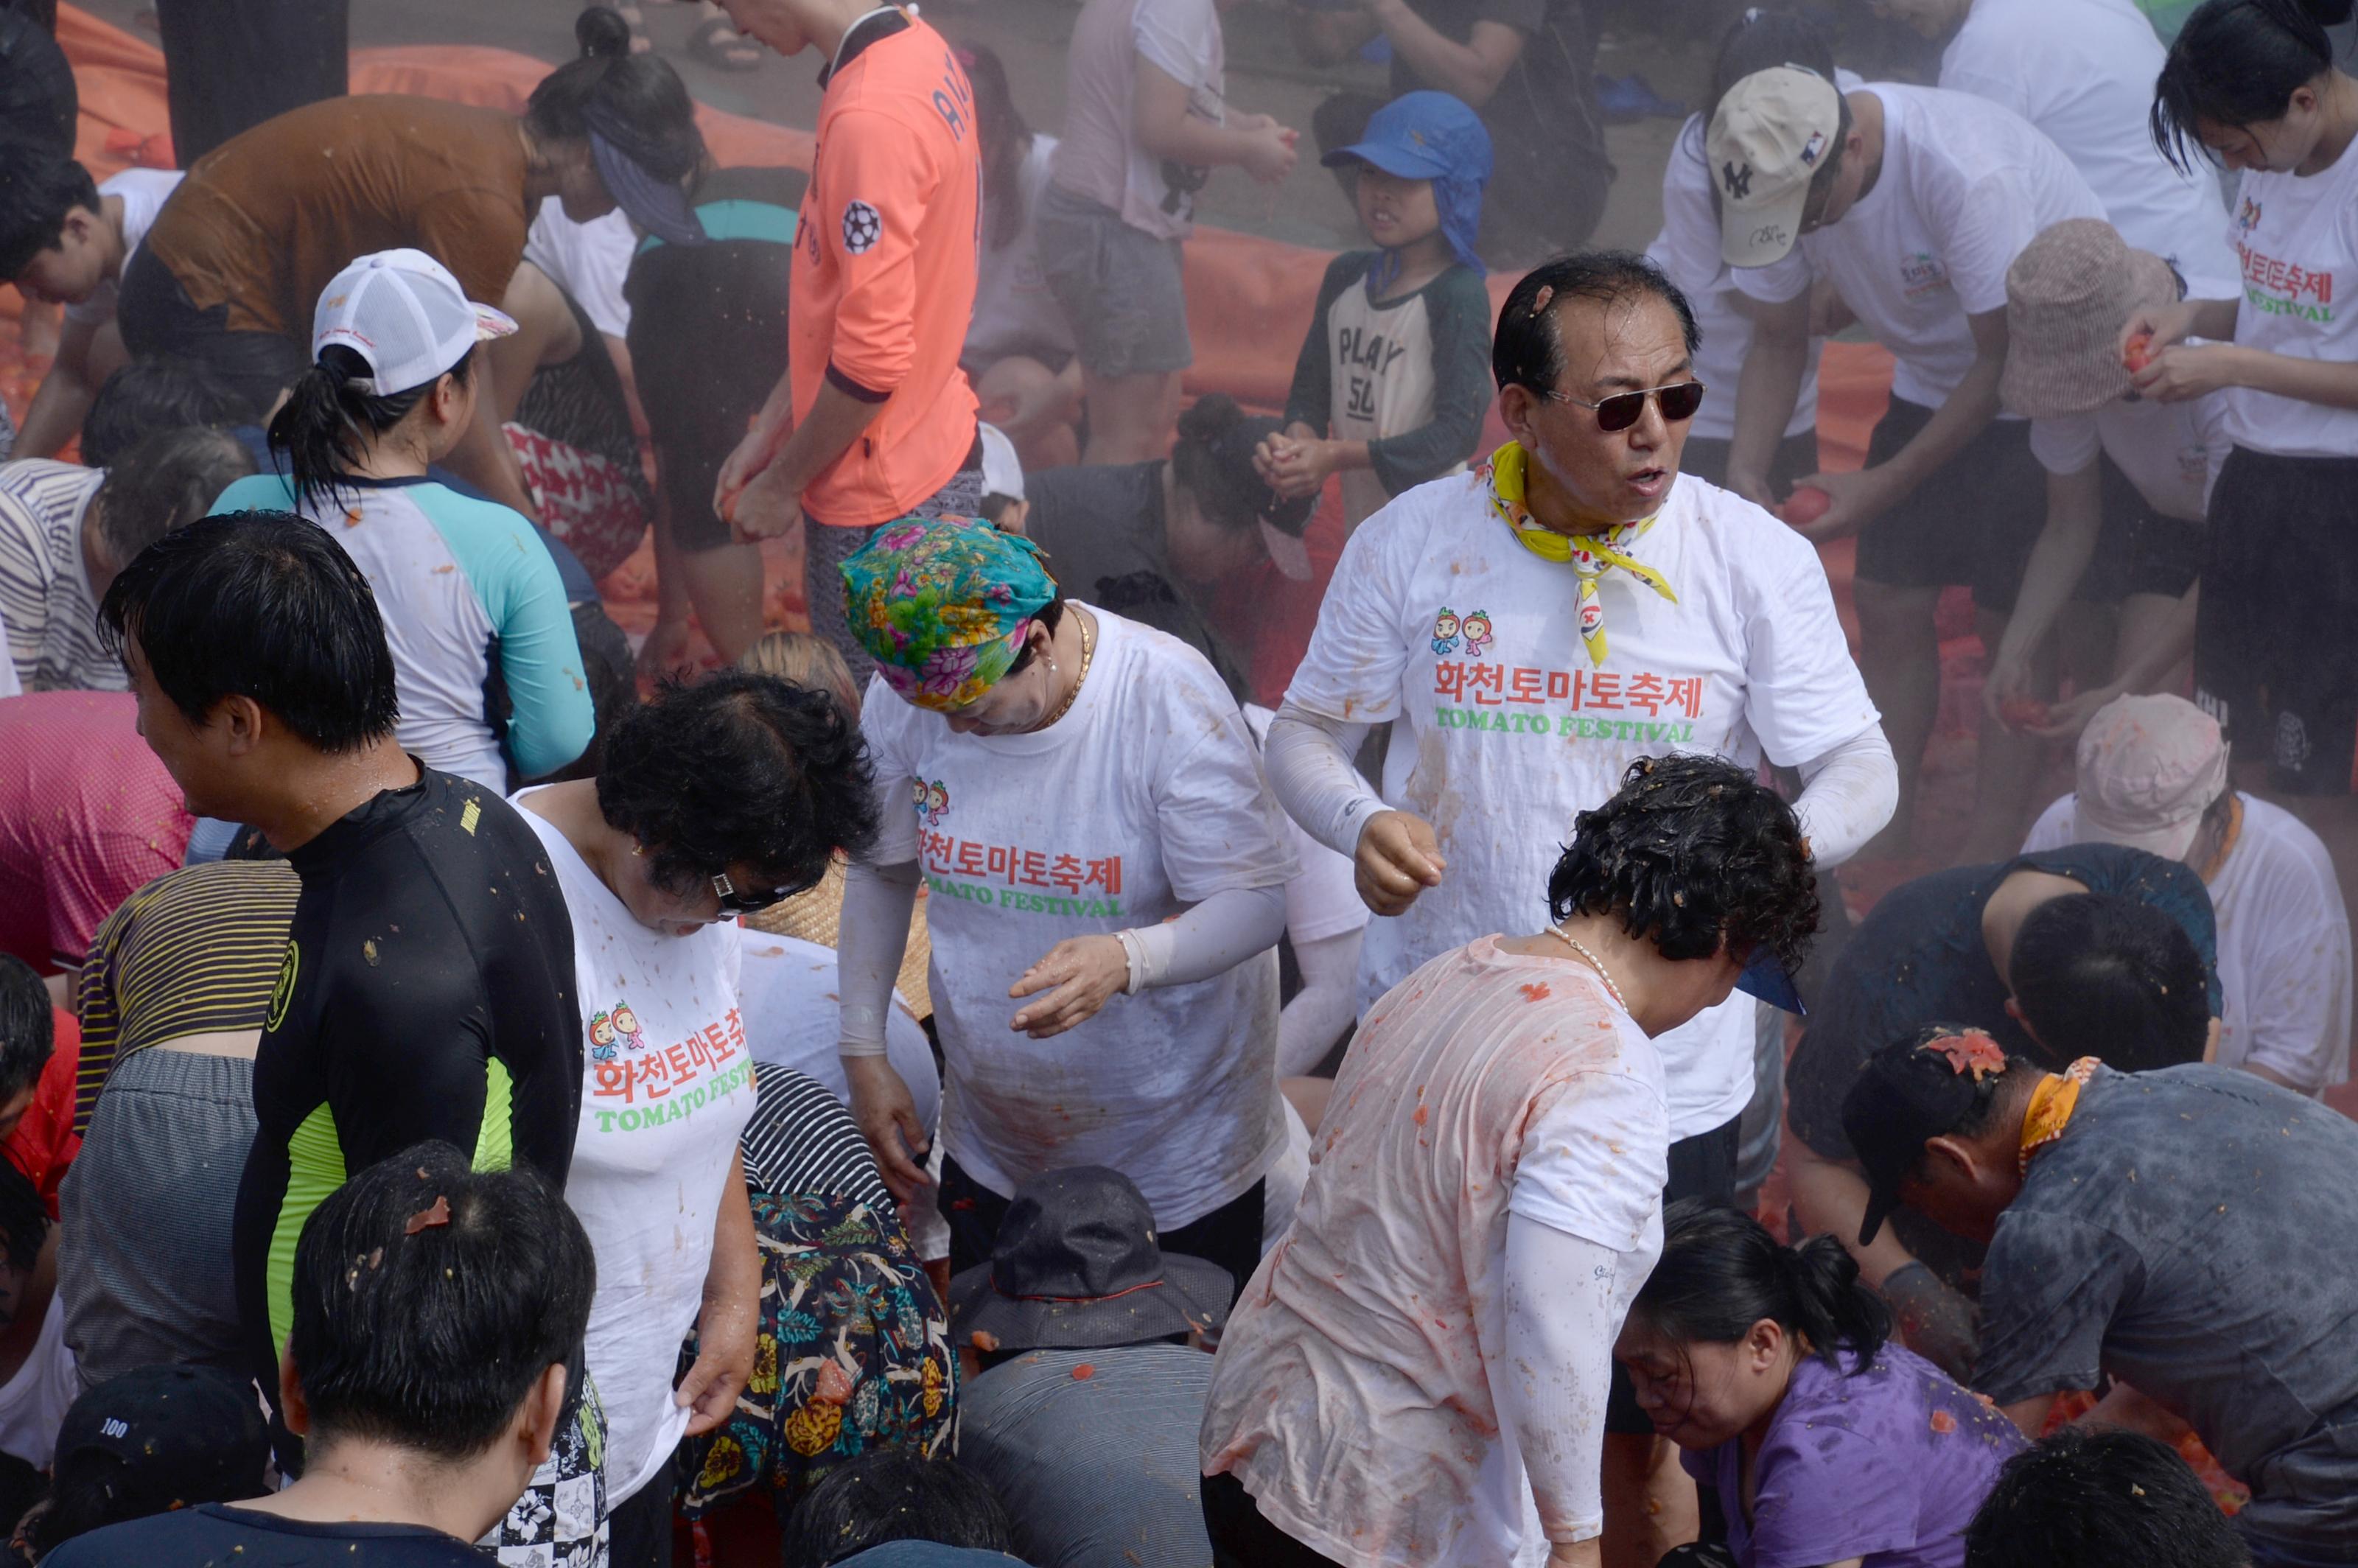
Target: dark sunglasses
pixel 735 903
pixel 1623 410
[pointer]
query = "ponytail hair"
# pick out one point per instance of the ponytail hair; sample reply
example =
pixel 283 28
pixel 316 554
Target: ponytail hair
pixel 634 100
pixel 1721 1272
pixel 327 425
pixel 2235 63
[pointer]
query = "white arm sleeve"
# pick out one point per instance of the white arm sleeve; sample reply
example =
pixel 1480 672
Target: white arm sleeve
pixel 1848 795
pixel 1210 939
pixel 1309 764
pixel 1324 1007
pixel 1564 1303
pixel 877 903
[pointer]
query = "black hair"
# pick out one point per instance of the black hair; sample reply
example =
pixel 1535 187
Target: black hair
pixel 326 424
pixel 738 768
pixel 28 1026
pixel 1528 350
pixel 613 680
pixel 1822 180
pixel 1006 138
pixel 636 101
pixel 166 481
pixel 265 605
pixel 893 1493
pixel 430 1297
pixel 1051 616
pixel 1691 852
pixel 2095 1499
pixel 35 202
pixel 1760 39
pixel 2106 975
pixel 1721 1272
pixel 2235 63
pixel 166 393
pixel 1210 463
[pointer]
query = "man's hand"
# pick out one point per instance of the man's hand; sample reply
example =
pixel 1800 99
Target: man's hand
pixel 1859 497
pixel 888 1120
pixel 1083 972
pixel 1754 488
pixel 764 509
pixel 1270 152
pixel 1939 1324
pixel 1589 1554
pixel 1397 857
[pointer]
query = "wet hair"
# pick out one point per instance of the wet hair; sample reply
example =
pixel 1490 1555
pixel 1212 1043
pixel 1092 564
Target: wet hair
pixel 166 481
pixel 893 1493
pixel 1994 1093
pixel 146 396
pixel 1691 852
pixel 1006 138
pixel 1721 1272
pixel 265 605
pixel 801 659
pixel 2101 975
pixel 1528 350
pixel 28 1026
pixel 1051 616
pixel 2235 63
pixel 739 769
pixel 2092 1499
pixel 326 424
pixel 35 202
pixel 636 101
pixel 1211 463
pixel 424 1325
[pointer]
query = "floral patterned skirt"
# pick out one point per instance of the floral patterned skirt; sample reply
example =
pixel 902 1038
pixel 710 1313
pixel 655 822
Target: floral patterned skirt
pixel 854 1354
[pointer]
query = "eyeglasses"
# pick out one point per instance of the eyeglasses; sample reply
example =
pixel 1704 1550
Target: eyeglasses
pixel 1623 410
pixel 735 903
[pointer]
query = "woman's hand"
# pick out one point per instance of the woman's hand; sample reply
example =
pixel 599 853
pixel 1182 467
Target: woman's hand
pixel 2186 370
pixel 1858 497
pixel 887 1116
pixel 2157 325
pixel 1295 468
pixel 2065 720
pixel 1397 857
pixel 728 1327
pixel 1085 972
pixel 665 651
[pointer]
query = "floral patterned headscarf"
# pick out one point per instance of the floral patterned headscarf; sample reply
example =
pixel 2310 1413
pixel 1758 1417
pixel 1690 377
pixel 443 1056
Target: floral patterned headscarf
pixel 943 606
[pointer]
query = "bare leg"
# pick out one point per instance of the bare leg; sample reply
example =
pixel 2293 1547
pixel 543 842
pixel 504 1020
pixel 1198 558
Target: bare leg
pixel 2010 765
pixel 2143 617
pixel 1899 654
pixel 1130 417
pixel 1035 407
pixel 726 586
pixel 1649 1502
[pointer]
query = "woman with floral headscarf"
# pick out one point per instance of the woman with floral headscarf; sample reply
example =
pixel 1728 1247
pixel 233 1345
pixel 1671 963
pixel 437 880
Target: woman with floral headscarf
pixel 1106 867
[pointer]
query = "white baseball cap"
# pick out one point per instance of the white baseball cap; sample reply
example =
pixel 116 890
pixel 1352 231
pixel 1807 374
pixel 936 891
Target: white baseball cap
pixel 1772 132
pixel 404 314
pixel 1002 470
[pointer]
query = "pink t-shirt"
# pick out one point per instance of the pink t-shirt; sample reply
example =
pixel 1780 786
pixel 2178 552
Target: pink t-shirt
pixel 1352 1397
pixel 87 816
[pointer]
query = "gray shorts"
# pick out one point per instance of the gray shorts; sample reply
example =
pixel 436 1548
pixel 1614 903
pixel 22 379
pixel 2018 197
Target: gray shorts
pixel 1120 287
pixel 170 1134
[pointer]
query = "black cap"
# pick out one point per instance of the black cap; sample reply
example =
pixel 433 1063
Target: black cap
pixel 1907 1094
pixel 185 1436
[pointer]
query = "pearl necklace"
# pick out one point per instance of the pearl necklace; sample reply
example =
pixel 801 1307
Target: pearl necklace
pixel 1088 651
pixel 1593 962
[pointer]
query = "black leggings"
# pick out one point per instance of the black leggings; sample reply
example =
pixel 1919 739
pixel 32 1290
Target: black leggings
pixel 1229 1235
pixel 1241 1537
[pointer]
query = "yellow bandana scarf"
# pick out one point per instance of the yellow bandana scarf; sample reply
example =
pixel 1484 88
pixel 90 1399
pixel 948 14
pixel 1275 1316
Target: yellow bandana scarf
pixel 2052 1105
pixel 1591 556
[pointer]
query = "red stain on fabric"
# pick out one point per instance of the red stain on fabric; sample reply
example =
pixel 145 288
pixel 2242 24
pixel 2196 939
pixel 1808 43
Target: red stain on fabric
pixel 1537 991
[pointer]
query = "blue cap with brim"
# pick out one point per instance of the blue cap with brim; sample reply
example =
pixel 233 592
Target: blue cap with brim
pixel 658 206
pixel 1767 978
pixel 1430 135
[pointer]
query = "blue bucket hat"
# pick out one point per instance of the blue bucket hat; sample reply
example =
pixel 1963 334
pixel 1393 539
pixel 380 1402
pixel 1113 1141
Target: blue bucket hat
pixel 1431 136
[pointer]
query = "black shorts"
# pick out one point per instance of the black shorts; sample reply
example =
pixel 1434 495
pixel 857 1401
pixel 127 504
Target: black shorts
pixel 1701 1167
pixel 2276 642
pixel 1705 457
pixel 157 318
pixel 1972 521
pixel 2138 550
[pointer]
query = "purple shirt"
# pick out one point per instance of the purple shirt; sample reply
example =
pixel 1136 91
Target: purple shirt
pixel 1887 1465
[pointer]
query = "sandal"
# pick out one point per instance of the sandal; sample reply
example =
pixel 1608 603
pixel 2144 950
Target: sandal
pixel 721 45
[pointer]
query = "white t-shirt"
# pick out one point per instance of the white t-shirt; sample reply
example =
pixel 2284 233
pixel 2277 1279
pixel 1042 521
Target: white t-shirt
pixel 1501 738
pixel 1323 900
pixel 667 1085
pixel 1964 186
pixel 2082 71
pixel 1014 313
pixel 588 261
pixel 1146 798
pixel 1101 156
pixel 143 191
pixel 2297 237
pixel 794 1018
pixel 2284 943
pixel 1688 249
pixel 2171 451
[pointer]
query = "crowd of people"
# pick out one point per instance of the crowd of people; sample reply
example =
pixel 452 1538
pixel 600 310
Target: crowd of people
pixel 962 1082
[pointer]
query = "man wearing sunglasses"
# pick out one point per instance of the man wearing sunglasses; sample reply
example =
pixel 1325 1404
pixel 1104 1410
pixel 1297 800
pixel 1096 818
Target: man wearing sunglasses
pixel 1531 629
pixel 1912 203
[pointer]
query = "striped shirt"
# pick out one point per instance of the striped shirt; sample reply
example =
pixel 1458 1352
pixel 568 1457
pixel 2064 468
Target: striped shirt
pixel 45 594
pixel 802 1140
pixel 195 952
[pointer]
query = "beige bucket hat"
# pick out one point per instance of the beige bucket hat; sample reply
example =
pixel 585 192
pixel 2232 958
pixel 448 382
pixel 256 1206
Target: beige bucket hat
pixel 2067 296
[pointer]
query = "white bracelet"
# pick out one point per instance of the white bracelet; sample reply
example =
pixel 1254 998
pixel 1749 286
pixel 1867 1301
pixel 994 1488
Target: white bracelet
pixel 862 1032
pixel 1134 949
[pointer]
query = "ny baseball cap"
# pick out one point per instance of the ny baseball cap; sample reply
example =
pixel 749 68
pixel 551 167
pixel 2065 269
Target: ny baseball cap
pixel 1906 1095
pixel 1772 132
pixel 404 314
pixel 2148 768
pixel 183 1435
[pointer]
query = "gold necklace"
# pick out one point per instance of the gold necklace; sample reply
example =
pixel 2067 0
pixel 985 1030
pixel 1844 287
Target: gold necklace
pixel 1595 962
pixel 1088 651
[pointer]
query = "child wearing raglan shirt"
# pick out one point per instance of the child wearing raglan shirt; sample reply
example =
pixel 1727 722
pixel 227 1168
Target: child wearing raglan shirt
pixel 2251 85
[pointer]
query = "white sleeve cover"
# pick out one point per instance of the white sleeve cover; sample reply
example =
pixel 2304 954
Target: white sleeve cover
pixel 1324 1007
pixel 1564 1301
pixel 1210 939
pixel 1309 762
pixel 1848 795
pixel 877 903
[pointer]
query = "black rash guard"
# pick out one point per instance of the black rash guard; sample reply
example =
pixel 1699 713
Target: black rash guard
pixel 426 992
